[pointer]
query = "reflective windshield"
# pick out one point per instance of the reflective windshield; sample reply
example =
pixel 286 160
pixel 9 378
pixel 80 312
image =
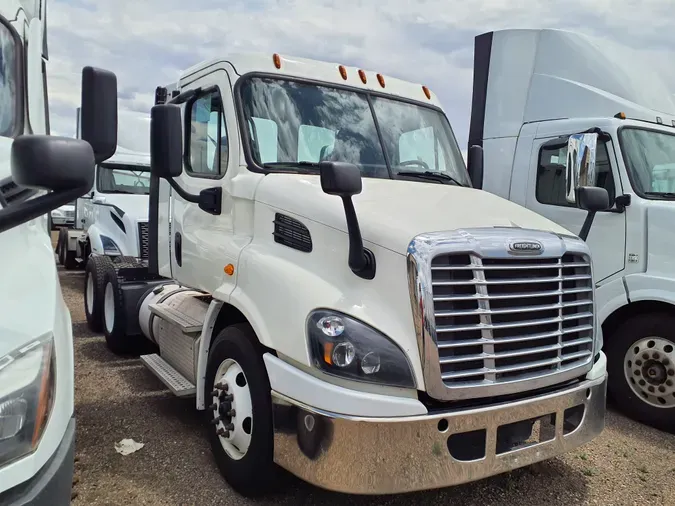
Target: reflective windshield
pixel 123 179
pixel 293 123
pixel 650 158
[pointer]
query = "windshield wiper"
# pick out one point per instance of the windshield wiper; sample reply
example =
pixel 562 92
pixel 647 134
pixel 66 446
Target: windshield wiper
pixel 302 166
pixel 430 175
pixel 668 195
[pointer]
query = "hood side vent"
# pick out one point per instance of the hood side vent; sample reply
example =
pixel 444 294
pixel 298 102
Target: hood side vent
pixel 118 222
pixel 292 233
pixel 11 193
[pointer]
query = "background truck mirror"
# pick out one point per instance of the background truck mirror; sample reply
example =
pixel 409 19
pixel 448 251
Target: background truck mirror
pixel 166 144
pixel 45 162
pixel 98 121
pixel 580 165
pixel 475 166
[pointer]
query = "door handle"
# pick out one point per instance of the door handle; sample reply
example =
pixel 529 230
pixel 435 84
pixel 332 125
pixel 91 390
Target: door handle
pixel 178 248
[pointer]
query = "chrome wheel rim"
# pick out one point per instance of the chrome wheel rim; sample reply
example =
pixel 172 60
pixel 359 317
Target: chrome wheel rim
pixel 649 368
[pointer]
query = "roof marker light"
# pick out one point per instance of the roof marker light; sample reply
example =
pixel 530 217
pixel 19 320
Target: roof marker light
pixel 277 60
pixel 426 92
pixel 380 79
pixel 343 72
pixel 620 115
pixel 659 120
pixel 362 75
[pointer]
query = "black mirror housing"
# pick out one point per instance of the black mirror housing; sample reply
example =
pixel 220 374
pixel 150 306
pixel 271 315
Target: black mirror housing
pixel 48 162
pixel 98 113
pixel 475 165
pixel 592 198
pixel 340 178
pixel 166 143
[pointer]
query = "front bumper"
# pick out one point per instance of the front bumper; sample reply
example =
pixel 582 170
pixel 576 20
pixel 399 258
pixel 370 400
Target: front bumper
pixel 53 483
pixel 394 455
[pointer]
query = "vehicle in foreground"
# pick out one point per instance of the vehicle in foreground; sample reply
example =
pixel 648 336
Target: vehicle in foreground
pixel 317 283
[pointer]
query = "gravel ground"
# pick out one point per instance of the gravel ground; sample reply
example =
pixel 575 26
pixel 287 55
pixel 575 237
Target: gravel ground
pixel 118 398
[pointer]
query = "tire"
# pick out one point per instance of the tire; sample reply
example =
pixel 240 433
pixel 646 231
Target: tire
pixel 253 473
pixel 114 319
pixel 644 388
pixel 61 247
pixel 94 274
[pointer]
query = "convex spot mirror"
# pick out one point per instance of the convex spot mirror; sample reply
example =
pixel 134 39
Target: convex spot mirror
pixel 580 165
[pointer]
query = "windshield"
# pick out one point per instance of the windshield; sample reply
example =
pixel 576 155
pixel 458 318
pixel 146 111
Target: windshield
pixel 292 122
pixel 650 158
pixel 130 179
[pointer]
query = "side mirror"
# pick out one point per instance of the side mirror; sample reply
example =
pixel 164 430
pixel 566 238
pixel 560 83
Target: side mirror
pixel 45 162
pixel 166 143
pixel 98 114
pixel 344 180
pixel 340 178
pixel 580 165
pixel 475 165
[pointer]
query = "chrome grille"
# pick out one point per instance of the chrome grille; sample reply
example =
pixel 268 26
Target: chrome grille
pixel 500 320
pixel 143 240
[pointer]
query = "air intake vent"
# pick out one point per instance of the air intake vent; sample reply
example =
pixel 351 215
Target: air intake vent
pixel 290 232
pixel 11 193
pixel 143 239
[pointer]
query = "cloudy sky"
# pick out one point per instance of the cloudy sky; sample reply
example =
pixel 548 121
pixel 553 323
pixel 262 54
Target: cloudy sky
pixel 148 42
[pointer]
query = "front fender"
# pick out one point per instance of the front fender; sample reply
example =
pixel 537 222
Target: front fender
pixel 95 232
pixel 644 286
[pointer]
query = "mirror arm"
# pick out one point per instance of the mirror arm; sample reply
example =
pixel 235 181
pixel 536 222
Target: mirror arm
pixel 184 195
pixel 16 214
pixel 586 227
pixel 209 199
pixel 361 260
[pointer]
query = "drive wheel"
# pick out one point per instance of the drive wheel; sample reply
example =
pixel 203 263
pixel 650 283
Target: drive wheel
pixel 94 287
pixel 239 416
pixel 115 318
pixel 641 364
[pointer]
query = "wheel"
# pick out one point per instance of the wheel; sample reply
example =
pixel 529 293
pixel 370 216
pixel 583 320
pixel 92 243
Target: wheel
pixel 68 257
pixel 94 287
pixel 240 415
pixel 641 366
pixel 61 247
pixel 115 318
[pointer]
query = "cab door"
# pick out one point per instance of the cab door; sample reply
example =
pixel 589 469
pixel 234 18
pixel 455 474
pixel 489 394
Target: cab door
pixel 546 196
pixel 200 240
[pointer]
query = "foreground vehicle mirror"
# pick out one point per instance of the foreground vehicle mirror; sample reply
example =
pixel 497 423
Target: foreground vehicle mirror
pixel 166 149
pixel 591 199
pixel 344 180
pixel 475 166
pixel 63 165
pixel 98 114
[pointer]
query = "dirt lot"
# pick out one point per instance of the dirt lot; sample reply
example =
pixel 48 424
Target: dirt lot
pixel 118 398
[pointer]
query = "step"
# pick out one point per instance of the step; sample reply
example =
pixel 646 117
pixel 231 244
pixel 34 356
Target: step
pixel 175 381
pixel 186 323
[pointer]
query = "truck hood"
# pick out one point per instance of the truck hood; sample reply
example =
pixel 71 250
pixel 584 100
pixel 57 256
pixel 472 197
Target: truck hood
pixel 392 212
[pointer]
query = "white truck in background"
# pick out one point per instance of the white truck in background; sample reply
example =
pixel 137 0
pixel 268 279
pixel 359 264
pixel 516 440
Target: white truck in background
pixel 534 88
pixel 111 223
pixel 315 283
pixel 38 173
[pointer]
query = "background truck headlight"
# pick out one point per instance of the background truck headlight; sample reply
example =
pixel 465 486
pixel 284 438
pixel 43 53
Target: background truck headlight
pixel 109 246
pixel 345 347
pixel 27 382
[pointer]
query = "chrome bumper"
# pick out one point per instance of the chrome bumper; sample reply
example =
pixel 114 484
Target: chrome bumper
pixel 396 455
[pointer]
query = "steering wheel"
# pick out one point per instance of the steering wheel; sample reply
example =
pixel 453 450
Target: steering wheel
pixel 419 163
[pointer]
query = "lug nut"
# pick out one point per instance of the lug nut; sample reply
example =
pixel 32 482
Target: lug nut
pixel 223 386
pixel 216 420
pixel 213 406
pixel 215 393
pixel 231 413
pixel 229 426
pixel 226 397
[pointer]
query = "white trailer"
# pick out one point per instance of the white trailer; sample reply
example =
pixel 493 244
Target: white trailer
pixel 38 173
pixel 532 90
pixel 396 323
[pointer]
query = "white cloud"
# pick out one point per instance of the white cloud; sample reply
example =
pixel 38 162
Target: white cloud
pixel 148 42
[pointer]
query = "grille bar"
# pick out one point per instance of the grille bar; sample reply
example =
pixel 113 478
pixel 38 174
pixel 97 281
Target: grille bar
pixel 143 239
pixel 500 319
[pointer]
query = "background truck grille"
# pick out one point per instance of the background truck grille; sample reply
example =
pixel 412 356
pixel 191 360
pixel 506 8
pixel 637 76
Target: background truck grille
pixel 143 241
pixel 511 319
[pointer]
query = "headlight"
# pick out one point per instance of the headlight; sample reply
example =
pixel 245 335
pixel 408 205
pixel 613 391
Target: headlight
pixel 27 382
pixel 345 347
pixel 109 246
pixel 57 213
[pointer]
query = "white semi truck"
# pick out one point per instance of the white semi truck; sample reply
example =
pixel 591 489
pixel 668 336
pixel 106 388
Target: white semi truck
pixel 534 88
pixel 38 173
pixel 337 299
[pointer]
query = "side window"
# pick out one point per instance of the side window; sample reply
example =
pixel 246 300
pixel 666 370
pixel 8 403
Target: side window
pixel 9 83
pixel 551 175
pixel 314 143
pixel 264 134
pixel 421 145
pixel 208 148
